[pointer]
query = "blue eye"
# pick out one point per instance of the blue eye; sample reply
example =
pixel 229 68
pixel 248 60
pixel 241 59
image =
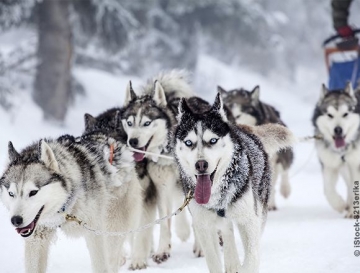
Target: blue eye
pixel 11 194
pixel 188 143
pixel 129 123
pixel 147 123
pixel 213 141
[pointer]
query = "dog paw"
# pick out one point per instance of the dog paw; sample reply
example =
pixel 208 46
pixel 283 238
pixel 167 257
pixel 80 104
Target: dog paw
pixel 161 257
pixel 338 203
pixel 349 214
pixel 197 251
pixel 138 263
pixel 272 208
pixel 285 190
pixel 232 270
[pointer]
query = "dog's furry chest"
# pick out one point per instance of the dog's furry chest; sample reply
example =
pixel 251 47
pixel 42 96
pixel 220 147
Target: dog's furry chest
pixel 335 159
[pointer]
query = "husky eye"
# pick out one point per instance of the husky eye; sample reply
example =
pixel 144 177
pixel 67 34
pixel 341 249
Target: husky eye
pixel 11 194
pixel 188 143
pixel 147 123
pixel 330 116
pixel 213 140
pixel 345 115
pixel 32 193
pixel 129 123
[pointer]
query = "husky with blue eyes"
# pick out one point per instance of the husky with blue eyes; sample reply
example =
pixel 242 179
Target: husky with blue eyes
pixel 337 122
pixel 227 168
pixel 148 119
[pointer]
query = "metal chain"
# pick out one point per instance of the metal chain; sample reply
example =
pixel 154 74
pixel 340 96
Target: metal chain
pixel 72 218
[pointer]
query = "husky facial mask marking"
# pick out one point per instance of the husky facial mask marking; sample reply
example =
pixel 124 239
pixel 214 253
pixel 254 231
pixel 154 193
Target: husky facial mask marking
pixel 25 189
pixel 335 118
pixel 243 104
pixel 201 145
pixel 143 118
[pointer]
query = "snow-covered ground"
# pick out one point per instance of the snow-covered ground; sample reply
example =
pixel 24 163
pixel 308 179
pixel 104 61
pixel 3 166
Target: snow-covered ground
pixel 303 235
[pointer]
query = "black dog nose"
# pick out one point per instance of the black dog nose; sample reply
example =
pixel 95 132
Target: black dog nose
pixel 338 131
pixel 201 166
pixel 134 142
pixel 16 220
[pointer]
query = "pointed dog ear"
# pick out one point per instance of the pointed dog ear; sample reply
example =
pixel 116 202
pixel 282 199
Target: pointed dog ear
pixel 182 109
pixel 255 95
pixel 90 122
pixel 349 89
pixel 159 94
pixel 13 154
pixel 323 92
pixel 218 107
pixel 47 156
pixel 130 94
pixel 221 90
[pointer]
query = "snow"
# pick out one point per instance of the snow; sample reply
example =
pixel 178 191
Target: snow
pixel 304 235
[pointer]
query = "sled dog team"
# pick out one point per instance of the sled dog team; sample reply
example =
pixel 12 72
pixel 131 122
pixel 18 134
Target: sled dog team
pixel 139 160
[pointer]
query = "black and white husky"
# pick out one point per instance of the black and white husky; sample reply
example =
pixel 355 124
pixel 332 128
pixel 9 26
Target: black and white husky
pixel 109 123
pixel 337 121
pixel 92 178
pixel 247 108
pixel 227 168
pixel 148 120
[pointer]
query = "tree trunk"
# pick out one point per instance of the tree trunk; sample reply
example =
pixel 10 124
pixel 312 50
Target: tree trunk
pixel 52 90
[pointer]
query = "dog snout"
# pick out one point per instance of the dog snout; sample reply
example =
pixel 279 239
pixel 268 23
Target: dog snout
pixel 338 131
pixel 201 166
pixel 16 220
pixel 134 142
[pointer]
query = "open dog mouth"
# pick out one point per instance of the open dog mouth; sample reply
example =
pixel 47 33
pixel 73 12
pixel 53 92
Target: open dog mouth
pixel 203 187
pixel 29 229
pixel 339 141
pixel 140 156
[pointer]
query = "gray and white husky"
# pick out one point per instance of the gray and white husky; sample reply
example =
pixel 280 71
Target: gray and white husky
pixel 248 109
pixel 337 121
pixel 148 120
pixel 109 123
pixel 51 178
pixel 227 168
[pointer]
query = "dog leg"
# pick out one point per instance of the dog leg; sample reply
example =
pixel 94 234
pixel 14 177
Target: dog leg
pixel 231 256
pixel 272 205
pixel 182 226
pixel 197 248
pixel 140 251
pixel 250 233
pixel 95 245
pixel 163 251
pixel 345 173
pixel 330 178
pixel 354 176
pixel 37 250
pixel 285 188
pixel 204 222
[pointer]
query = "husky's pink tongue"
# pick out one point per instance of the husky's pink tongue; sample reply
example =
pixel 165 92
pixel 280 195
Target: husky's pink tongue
pixel 203 189
pixel 25 229
pixel 339 142
pixel 139 156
